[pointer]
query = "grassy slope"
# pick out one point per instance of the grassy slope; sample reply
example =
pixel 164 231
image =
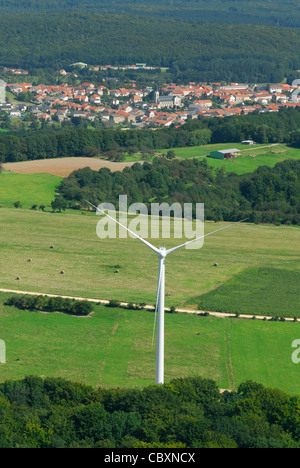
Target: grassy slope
pixel 113 347
pixel 89 262
pixel 29 189
pixel 264 156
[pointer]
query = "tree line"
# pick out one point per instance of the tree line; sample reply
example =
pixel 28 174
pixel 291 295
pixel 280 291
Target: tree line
pixel 280 127
pixel 268 195
pixel 185 413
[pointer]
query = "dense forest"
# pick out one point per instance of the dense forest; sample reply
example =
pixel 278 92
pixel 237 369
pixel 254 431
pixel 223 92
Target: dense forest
pixel 272 12
pixel 269 195
pixel 79 141
pixel 186 413
pixel 193 51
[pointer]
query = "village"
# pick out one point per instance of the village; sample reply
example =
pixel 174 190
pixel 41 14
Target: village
pixel 130 106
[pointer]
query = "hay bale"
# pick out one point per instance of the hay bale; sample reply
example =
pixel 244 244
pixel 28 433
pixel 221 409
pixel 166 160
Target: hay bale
pixel 51 246
pixel 117 271
pixel 215 264
pixel 62 272
pixel 18 278
pixel 29 260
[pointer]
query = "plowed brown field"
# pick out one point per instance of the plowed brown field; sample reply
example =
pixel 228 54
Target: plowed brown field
pixel 63 167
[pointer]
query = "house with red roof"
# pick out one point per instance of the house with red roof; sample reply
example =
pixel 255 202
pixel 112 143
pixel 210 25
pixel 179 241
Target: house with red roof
pixel 95 99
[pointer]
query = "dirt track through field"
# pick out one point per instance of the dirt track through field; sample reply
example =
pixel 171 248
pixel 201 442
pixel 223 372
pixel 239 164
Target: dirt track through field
pixel 63 167
pixel 150 307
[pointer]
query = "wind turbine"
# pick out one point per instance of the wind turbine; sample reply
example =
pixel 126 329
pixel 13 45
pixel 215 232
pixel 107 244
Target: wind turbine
pixel 162 253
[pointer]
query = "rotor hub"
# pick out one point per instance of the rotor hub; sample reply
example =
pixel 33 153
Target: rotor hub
pixel 162 252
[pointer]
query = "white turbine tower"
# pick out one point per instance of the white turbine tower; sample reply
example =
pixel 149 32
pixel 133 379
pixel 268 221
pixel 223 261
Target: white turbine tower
pixel 162 253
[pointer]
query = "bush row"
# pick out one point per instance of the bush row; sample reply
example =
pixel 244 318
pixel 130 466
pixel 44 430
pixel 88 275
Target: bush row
pixel 51 304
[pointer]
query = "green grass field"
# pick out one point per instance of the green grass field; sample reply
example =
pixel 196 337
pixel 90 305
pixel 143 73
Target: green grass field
pixel 262 155
pixel 29 189
pixel 265 291
pixel 113 348
pixel 204 150
pixel 10 97
pixel 90 263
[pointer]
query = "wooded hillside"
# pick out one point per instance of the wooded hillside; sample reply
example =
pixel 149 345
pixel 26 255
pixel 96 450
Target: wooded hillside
pixel 273 12
pixel 194 52
pixel 269 195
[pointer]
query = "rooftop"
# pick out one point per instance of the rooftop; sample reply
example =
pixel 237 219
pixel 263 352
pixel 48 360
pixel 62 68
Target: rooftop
pixel 230 150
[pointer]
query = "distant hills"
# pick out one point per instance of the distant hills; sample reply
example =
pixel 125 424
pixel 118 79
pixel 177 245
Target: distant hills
pixel 269 12
pixel 236 40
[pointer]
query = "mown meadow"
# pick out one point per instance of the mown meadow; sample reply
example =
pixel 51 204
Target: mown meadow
pixel 113 348
pixel 89 263
pixel 28 189
pixel 250 159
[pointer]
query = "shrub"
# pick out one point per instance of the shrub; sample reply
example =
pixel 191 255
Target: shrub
pixel 81 308
pixel 113 303
pixel 172 310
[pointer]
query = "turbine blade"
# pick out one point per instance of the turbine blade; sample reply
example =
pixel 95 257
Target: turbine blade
pixel 126 228
pixel 201 237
